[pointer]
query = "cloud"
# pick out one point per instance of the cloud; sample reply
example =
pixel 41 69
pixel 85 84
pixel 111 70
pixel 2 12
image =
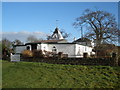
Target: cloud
pixel 22 35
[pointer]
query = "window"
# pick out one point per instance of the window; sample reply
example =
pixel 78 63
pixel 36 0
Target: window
pixel 28 47
pixel 34 46
pixel 54 50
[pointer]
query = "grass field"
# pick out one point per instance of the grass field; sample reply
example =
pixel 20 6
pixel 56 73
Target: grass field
pixel 43 75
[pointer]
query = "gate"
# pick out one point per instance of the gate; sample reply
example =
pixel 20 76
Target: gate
pixel 15 57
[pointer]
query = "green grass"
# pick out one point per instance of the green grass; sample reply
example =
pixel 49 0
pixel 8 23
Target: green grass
pixel 43 75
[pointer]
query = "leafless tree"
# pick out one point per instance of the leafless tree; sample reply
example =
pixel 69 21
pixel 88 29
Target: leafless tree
pixel 17 42
pixel 32 38
pixel 48 37
pixel 65 34
pixel 101 25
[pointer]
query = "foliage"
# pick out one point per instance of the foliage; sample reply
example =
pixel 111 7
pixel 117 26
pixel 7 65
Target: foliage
pixel 27 53
pixel 0 50
pixel 42 75
pixel 6 49
pixel 38 54
pixel 105 50
pixel 6 43
pixel 102 26
pixel 48 53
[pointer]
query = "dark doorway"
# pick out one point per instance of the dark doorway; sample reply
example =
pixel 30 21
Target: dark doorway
pixel 34 46
pixel 28 47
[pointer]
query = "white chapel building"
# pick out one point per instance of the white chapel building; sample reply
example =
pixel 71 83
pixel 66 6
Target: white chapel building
pixel 58 44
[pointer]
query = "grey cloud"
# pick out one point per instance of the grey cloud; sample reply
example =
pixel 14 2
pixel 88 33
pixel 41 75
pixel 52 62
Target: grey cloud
pixel 22 35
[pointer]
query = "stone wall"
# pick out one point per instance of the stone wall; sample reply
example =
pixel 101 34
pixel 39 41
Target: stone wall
pixel 74 61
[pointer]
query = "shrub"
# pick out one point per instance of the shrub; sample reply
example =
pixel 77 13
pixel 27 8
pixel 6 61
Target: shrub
pixel 48 54
pixel 38 53
pixel 27 53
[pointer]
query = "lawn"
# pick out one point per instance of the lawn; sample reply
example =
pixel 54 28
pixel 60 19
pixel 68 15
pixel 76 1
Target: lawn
pixel 43 75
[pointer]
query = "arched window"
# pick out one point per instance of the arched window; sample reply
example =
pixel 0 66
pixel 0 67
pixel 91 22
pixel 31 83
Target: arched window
pixel 54 50
pixel 28 47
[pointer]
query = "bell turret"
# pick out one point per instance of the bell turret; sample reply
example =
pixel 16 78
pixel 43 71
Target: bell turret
pixel 56 35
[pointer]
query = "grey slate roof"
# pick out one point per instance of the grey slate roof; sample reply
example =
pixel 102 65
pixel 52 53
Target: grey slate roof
pixel 82 40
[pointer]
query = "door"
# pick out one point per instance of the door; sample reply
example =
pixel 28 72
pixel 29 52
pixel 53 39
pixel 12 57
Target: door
pixel 34 46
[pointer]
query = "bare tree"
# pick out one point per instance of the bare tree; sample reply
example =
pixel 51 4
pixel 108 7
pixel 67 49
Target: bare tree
pixel 64 34
pixel 101 25
pixel 48 37
pixel 17 42
pixel 31 38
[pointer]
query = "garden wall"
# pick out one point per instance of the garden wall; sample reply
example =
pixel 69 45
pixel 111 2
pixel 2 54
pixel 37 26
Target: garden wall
pixel 74 61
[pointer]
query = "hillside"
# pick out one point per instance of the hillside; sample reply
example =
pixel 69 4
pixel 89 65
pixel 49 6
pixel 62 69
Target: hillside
pixel 43 75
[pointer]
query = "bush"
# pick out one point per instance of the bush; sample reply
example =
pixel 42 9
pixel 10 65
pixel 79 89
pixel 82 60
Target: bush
pixel 6 53
pixel 27 53
pixel 38 53
pixel 48 54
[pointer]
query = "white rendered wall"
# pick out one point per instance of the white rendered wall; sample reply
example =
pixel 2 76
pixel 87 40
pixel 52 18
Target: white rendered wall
pixel 44 47
pixel 20 49
pixel 73 50
pixel 65 48
pixel 38 46
pixel 80 49
pixel 29 46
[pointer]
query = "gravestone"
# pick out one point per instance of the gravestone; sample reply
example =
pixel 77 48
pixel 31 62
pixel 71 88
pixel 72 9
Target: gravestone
pixel 115 59
pixel 15 57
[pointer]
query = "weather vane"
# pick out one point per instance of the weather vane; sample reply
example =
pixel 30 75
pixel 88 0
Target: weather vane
pixel 57 23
